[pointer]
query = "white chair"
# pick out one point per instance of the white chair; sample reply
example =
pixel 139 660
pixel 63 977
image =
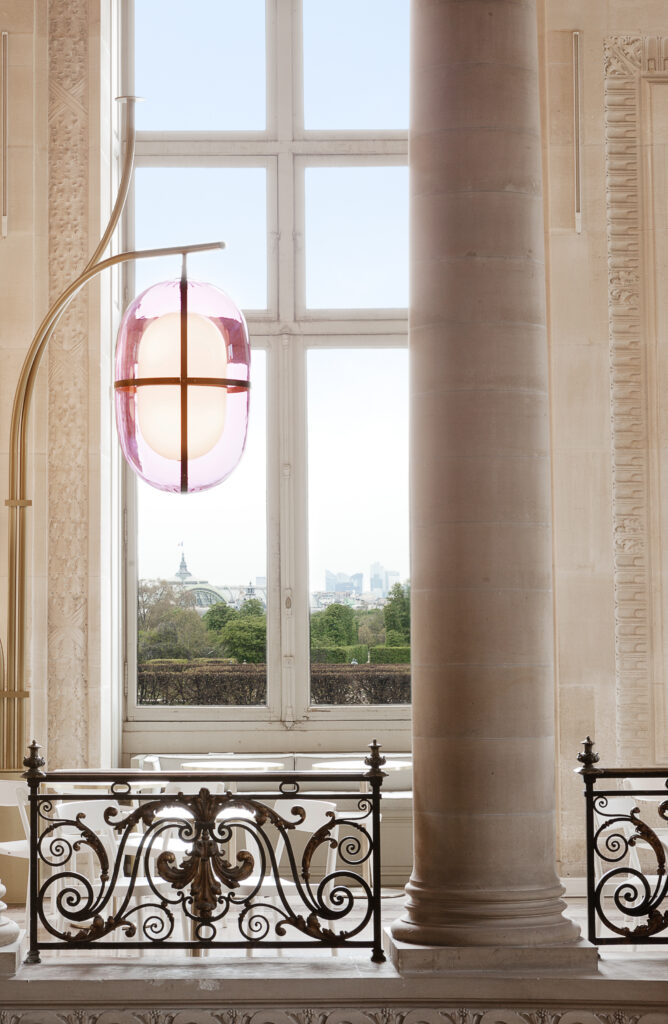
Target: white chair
pixel 87 863
pixel 9 798
pixel 317 814
pixel 13 847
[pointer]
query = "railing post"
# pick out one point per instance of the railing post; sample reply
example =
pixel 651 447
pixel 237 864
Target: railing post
pixel 33 776
pixel 375 776
pixel 588 758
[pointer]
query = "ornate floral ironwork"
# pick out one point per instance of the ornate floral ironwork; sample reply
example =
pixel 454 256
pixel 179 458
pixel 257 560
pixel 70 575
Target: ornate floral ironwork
pixel 627 880
pixel 135 869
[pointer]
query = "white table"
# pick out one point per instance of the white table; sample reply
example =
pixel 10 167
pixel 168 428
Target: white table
pixel 232 766
pixel 358 764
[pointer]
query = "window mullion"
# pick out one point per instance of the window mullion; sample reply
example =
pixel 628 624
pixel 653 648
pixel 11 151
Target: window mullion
pixel 293 531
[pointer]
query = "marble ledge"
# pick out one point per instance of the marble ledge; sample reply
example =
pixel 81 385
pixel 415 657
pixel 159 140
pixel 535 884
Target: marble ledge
pixel 631 983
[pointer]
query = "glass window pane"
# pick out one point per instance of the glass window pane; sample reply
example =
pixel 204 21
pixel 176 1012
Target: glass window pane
pixel 356 225
pixel 205 551
pixel 358 526
pixel 186 205
pixel 356 64
pixel 201 65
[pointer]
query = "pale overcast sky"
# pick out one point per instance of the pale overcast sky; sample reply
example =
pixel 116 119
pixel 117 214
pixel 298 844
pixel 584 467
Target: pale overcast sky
pixel 358 445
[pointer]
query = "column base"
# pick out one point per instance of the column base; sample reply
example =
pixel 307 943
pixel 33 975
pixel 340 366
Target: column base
pixel 409 959
pixel 487 918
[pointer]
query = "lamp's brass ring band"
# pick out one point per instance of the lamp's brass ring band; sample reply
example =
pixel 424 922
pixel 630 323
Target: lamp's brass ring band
pixel 16 694
pixel 202 382
pixel 18 502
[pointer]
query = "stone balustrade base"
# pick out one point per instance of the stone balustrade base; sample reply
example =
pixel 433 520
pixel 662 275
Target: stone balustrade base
pixel 409 958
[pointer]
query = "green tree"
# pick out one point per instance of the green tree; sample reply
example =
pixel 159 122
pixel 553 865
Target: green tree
pixel 245 638
pixel 397 614
pixel 252 607
pixel 334 627
pixel 218 616
pixel 179 634
pixel 370 627
pixel 156 599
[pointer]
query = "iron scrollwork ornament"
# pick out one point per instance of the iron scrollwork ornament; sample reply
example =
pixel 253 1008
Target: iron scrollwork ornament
pixel 136 869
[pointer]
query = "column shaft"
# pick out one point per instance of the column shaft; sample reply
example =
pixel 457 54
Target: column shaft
pixel 484 870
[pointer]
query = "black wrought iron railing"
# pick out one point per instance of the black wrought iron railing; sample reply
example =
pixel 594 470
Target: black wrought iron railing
pixel 627 845
pixel 201 861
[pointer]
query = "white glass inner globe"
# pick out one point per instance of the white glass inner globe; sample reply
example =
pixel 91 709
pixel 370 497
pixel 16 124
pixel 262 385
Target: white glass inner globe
pixel 159 406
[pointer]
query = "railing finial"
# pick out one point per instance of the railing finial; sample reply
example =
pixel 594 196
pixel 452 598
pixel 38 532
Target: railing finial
pixel 34 763
pixel 375 760
pixel 588 756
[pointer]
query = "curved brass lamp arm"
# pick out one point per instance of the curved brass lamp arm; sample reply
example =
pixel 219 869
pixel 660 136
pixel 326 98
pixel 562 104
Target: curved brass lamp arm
pixel 28 375
pixel 17 472
pixel 12 691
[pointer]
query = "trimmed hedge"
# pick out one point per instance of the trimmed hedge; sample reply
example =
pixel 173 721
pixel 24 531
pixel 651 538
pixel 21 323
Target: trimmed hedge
pixel 339 655
pixel 360 652
pixel 217 682
pixel 360 684
pixel 328 655
pixel 383 655
pixel 202 682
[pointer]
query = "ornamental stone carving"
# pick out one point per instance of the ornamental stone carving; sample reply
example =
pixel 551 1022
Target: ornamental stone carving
pixel 626 59
pixel 332 1015
pixel 68 499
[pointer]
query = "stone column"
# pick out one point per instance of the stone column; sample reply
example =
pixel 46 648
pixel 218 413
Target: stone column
pixel 482 632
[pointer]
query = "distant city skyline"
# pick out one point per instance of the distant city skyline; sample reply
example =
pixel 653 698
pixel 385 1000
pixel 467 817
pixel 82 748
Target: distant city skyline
pixel 378 578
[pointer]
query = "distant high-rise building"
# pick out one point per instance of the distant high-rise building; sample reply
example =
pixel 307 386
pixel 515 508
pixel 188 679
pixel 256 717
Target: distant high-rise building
pixel 341 583
pixel 391 577
pixel 376 578
pixel 381 580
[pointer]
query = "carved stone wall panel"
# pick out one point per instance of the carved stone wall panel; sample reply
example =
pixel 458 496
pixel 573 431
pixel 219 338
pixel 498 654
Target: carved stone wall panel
pixel 627 58
pixel 332 1015
pixel 69 250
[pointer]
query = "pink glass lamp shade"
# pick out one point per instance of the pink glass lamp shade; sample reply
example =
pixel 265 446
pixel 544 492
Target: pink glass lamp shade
pixel 182 385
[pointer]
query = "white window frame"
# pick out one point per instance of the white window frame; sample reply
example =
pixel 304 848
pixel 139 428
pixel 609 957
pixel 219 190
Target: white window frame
pixel 286 330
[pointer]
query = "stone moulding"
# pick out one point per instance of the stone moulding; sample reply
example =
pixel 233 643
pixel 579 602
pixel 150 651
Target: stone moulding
pixel 332 1015
pixel 627 59
pixel 68 496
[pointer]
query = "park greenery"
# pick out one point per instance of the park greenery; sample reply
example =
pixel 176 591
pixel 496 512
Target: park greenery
pixel 170 628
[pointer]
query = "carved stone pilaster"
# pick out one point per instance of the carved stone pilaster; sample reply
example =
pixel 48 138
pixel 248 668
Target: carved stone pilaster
pixel 627 58
pixel 69 250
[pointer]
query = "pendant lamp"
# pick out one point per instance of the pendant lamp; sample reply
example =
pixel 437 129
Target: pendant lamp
pixel 182 385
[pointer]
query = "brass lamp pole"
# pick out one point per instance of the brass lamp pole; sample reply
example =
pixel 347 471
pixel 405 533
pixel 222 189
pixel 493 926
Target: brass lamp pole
pixel 13 690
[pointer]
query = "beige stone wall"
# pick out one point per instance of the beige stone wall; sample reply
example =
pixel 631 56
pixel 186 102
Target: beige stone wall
pixel 606 319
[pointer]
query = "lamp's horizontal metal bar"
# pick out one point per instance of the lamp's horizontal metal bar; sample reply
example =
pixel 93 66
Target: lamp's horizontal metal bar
pixel 202 382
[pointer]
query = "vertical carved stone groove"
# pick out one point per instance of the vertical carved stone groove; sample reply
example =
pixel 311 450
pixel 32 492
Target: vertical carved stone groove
pixel 627 58
pixel 69 250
